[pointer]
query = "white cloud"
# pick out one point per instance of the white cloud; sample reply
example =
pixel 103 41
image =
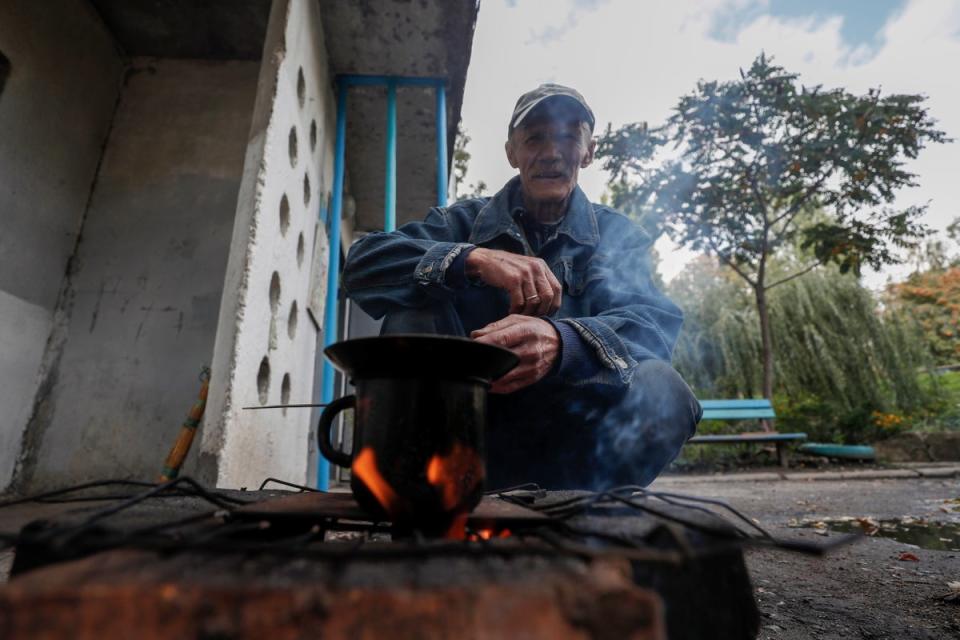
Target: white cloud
pixel 632 60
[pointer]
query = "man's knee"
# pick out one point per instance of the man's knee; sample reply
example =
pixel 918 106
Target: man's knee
pixel 646 429
pixel 660 393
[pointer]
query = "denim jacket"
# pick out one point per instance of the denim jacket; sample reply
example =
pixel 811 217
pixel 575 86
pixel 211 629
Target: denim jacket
pixel 599 256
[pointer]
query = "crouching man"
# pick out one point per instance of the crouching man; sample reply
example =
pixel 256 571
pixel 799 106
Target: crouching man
pixel 563 283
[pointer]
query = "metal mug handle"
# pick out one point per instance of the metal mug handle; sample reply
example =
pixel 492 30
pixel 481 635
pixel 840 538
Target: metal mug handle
pixel 323 430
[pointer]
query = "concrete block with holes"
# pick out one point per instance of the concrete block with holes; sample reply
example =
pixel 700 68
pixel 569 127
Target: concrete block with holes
pixel 165 174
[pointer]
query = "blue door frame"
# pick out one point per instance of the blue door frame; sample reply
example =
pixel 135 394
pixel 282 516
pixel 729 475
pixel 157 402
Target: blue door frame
pixel 344 82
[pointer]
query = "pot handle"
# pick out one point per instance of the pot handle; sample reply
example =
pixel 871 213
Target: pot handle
pixel 323 430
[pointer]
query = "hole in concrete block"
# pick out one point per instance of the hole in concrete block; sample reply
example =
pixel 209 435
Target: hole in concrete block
pixel 306 190
pixel 292 321
pixel 263 380
pixel 301 88
pixel 274 304
pixel 300 250
pixel 285 391
pixel 313 136
pixel 274 291
pixel 293 146
pixel 4 70
pixel 284 215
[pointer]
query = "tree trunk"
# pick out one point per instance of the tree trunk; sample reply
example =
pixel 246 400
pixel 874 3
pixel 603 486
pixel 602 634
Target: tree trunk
pixel 766 342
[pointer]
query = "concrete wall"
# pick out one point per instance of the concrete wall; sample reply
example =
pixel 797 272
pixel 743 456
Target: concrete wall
pixel 144 292
pixel 55 111
pixel 260 359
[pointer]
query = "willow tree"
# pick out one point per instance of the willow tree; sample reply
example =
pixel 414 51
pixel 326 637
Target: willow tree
pixel 839 359
pixel 737 164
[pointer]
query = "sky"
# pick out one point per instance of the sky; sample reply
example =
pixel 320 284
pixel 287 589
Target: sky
pixel 633 59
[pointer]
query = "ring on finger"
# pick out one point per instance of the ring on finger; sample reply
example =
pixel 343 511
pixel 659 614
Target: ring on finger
pixel 533 297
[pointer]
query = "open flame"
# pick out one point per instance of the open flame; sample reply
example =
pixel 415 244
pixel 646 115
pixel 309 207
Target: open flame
pixel 365 467
pixel 489 534
pixel 456 475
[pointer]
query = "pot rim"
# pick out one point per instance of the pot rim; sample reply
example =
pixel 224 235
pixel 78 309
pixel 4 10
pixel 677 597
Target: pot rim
pixel 420 355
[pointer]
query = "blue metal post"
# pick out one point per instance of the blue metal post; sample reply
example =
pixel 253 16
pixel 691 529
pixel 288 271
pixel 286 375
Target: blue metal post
pixel 390 187
pixel 331 311
pixel 441 145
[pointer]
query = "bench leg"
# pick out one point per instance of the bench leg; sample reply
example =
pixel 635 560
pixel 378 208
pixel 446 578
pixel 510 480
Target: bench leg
pixel 783 454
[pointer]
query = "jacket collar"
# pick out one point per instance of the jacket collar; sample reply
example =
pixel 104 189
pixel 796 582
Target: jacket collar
pixel 495 218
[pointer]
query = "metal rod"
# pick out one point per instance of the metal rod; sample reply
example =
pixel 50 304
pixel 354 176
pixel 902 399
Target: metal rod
pixel 390 185
pixel 441 145
pixel 285 406
pixel 342 391
pixel 333 272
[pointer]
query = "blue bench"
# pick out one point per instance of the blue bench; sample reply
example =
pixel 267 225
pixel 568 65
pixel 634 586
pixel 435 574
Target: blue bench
pixel 756 409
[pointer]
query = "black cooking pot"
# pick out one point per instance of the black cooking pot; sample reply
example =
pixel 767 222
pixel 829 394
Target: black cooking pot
pixel 420 418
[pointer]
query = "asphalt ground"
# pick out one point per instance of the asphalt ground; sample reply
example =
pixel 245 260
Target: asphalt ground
pixel 869 589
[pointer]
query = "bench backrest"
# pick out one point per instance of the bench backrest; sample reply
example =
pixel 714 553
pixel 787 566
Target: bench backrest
pixel 753 409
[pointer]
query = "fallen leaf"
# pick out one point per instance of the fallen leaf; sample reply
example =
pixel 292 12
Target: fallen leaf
pixel 869 525
pixel 954 594
pixel 906 556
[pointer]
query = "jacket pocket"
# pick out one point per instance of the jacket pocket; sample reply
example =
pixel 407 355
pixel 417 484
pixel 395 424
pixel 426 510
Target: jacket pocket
pixel 576 281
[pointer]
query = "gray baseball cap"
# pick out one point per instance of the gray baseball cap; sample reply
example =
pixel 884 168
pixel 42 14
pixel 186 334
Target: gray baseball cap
pixel 532 99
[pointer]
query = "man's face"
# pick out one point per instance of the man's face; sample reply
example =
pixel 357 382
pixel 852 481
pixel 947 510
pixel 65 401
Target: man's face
pixel 549 149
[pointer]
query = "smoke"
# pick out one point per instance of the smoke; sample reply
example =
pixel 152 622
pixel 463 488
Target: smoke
pixel 639 423
pixel 643 433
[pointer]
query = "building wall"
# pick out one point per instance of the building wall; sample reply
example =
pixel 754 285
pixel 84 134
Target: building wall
pixel 144 292
pixel 268 279
pixel 56 105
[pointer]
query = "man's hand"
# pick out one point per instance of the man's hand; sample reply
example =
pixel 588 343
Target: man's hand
pixel 533 289
pixel 534 340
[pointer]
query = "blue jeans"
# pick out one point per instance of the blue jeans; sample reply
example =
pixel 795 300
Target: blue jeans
pixel 585 437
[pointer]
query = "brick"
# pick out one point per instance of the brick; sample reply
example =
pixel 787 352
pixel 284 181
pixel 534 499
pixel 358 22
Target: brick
pixel 115 594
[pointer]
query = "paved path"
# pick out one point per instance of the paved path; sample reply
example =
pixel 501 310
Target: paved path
pixel 860 591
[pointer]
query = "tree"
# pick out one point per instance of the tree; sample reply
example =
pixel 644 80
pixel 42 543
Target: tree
pixel 737 164
pixel 840 362
pixel 931 295
pixel 714 353
pixel 461 162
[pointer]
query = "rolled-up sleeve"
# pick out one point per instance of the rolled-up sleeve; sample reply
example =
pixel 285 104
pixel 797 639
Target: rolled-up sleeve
pixel 436 264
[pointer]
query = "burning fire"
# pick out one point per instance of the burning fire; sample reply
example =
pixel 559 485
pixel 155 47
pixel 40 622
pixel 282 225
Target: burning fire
pixel 456 475
pixel 365 467
pixel 489 534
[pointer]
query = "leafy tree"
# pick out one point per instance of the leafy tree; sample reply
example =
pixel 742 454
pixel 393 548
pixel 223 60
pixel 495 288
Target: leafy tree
pixel 461 162
pixel 714 353
pixel 932 298
pixel 931 295
pixel 840 362
pixel 736 166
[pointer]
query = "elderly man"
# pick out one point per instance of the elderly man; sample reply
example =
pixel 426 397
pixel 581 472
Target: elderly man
pixel 561 282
